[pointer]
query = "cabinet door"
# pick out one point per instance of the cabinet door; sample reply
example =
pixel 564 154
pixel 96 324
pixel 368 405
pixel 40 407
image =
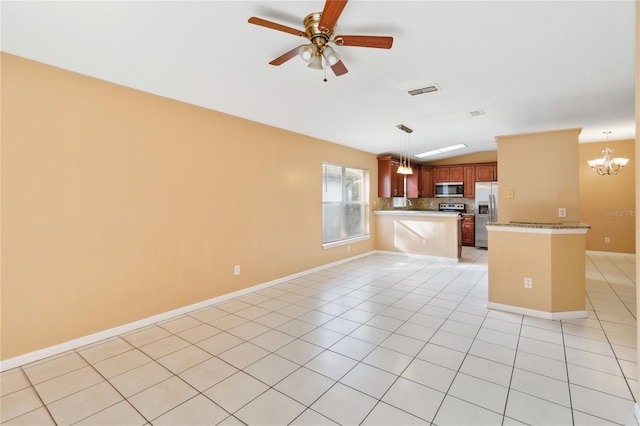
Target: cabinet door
pixel 414 183
pixel 384 176
pixel 456 174
pixel 469 182
pixel 428 189
pixel 486 172
pixel 397 186
pixel 468 231
pixel 442 174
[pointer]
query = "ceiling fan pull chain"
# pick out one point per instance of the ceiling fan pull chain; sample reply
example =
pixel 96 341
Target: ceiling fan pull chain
pixel 325 71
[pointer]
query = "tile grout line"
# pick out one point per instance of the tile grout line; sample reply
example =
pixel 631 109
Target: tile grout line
pixel 513 368
pixel 566 363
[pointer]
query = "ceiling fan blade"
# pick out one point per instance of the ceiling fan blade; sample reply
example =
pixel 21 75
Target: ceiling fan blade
pixel 338 69
pixel 330 15
pixel 284 58
pixel 364 41
pixel 275 26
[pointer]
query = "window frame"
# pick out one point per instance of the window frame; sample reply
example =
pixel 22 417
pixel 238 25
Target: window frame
pixel 364 204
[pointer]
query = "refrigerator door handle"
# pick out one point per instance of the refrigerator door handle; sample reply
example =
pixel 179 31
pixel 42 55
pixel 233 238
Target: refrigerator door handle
pixel 492 206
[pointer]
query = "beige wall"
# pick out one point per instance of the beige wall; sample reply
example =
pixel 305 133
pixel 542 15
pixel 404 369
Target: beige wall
pixel 542 170
pixel 607 203
pixel 118 205
pixel 555 263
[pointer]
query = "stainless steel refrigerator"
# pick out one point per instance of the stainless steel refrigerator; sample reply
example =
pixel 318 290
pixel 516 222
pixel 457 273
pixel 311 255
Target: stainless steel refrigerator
pixel 486 210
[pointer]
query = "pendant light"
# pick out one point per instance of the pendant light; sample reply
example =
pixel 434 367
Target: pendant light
pixel 405 161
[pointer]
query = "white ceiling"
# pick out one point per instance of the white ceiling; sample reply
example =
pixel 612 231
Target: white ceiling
pixel 530 66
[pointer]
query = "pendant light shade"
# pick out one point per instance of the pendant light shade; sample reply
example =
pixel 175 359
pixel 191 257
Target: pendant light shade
pixel 307 52
pixel 330 55
pixel 316 62
pixel 405 161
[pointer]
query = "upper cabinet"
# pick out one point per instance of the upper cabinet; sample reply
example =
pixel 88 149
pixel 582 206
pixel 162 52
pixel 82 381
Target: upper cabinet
pixel 427 189
pixel 391 183
pixel 414 182
pixel 384 177
pixel 487 172
pixel 421 184
pixel 449 173
pixel 469 181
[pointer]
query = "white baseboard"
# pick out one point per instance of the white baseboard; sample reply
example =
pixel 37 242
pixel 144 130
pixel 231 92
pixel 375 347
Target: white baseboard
pixel 125 328
pixel 419 256
pixel 536 313
pixel 609 253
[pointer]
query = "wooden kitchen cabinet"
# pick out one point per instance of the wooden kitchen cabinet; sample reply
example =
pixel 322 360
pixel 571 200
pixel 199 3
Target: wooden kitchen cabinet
pixel 397 186
pixel 414 182
pixel 469 181
pixel 468 230
pixel 427 188
pixel 391 184
pixel 487 172
pixel 386 177
pixel 449 173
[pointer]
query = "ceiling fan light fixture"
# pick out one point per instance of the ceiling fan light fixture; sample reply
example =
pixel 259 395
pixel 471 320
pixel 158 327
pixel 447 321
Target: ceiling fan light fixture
pixel 330 55
pixel 316 62
pixel 307 52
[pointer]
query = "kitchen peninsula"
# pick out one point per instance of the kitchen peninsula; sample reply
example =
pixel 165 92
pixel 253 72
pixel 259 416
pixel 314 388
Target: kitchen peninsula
pixel 430 233
pixel 538 269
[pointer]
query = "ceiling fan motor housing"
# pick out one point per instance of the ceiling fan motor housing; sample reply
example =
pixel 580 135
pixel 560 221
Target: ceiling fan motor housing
pixel 318 36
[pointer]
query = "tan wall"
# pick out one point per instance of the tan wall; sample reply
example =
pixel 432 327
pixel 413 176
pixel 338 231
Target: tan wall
pixel 506 277
pixel 542 170
pixel 118 205
pixel 568 273
pixel 607 203
pixel 555 263
pixel 405 234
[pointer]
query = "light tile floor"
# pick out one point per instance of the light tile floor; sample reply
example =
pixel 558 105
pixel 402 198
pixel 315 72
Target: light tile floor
pixel 382 339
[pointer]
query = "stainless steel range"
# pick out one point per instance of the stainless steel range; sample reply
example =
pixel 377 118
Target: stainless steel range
pixel 451 207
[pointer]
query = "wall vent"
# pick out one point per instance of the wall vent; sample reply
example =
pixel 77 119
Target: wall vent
pixel 426 89
pixel 477 113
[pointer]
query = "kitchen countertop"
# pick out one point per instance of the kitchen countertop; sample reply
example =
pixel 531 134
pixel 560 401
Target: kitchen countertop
pixel 548 228
pixel 416 213
pixel 543 225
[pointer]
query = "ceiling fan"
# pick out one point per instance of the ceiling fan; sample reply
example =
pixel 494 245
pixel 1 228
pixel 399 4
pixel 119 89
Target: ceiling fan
pixel 319 28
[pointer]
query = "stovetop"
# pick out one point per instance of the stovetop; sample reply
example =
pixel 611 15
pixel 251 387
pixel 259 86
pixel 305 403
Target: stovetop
pixel 451 207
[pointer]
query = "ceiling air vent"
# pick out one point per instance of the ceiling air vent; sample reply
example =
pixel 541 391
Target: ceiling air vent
pixel 426 89
pixel 477 113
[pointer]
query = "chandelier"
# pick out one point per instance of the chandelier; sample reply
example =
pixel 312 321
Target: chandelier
pixel 607 165
pixel 405 161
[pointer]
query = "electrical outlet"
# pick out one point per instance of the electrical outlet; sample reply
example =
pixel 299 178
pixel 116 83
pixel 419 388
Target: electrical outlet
pixel 528 282
pixel 424 242
pixel 607 240
pixel 562 212
pixel 348 249
pixel 236 270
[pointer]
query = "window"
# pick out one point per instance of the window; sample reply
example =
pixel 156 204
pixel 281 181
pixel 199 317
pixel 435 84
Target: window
pixel 345 204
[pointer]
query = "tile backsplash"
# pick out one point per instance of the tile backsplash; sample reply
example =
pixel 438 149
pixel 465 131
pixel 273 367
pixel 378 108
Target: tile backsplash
pixel 427 203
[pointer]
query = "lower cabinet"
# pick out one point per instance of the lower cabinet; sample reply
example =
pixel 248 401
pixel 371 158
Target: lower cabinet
pixel 468 230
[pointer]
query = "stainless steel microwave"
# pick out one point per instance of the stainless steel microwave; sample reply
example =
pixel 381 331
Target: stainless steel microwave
pixel 449 189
